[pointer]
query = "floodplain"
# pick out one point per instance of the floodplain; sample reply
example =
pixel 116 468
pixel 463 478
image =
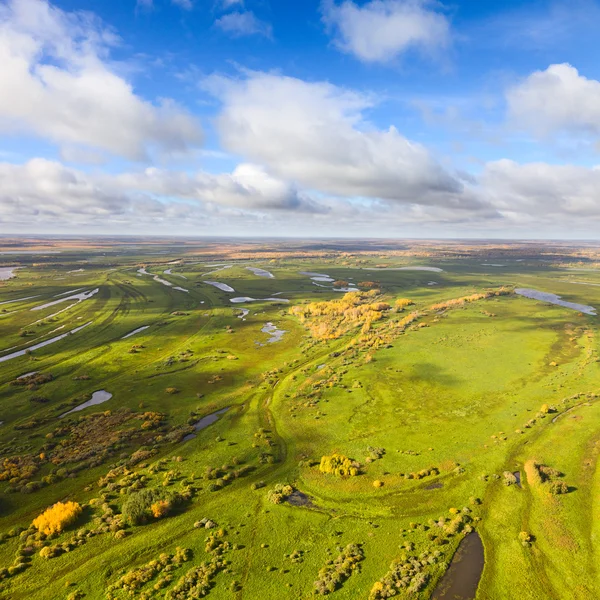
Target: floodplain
pixel 268 420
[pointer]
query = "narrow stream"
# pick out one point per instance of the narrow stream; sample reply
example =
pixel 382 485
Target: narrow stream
pixel 42 344
pixel 138 330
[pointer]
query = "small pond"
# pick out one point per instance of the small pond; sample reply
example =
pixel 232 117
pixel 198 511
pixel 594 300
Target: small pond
pixel 261 272
pixel 462 577
pixel 555 299
pixel 204 422
pixel 98 397
pixel 274 332
pixel 221 286
pixel 6 273
pixel 242 299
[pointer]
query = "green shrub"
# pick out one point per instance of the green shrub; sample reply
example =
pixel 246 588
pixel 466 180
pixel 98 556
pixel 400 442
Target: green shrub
pixel 138 508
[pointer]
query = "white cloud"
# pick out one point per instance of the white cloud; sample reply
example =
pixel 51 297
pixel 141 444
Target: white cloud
pixel 56 82
pixel 244 23
pixel 508 197
pixel 185 4
pixel 225 4
pixel 144 4
pixel 315 134
pixel 381 30
pixel 43 189
pixel 557 100
pixel 248 187
pixel 543 193
pixel 46 189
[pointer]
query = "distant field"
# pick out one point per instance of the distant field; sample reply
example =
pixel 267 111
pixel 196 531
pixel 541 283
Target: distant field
pixel 337 429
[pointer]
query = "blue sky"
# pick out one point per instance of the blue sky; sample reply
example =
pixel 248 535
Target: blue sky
pixel 392 118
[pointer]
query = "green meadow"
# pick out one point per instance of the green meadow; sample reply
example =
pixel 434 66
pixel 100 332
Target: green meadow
pixel 308 442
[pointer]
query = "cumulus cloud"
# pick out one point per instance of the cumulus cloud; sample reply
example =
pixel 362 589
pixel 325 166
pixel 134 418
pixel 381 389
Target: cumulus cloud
pixel 507 197
pixel 557 100
pixel 315 135
pixel 57 83
pixel 238 24
pixel 248 187
pixel 541 192
pixel 381 30
pixel 44 189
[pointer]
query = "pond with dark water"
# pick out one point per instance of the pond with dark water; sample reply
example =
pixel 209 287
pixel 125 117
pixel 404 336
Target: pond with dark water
pixel 461 580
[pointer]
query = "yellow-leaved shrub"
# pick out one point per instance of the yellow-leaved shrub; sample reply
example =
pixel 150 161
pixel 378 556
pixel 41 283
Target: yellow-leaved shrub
pixel 56 518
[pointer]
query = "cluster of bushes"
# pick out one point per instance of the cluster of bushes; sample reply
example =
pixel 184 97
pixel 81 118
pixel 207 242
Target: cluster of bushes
pixel 263 435
pixel 77 539
pixel 108 521
pixel 56 518
pixel 197 582
pixel 86 443
pixel 29 541
pixel 368 285
pixel 216 543
pixel 340 465
pixel 32 423
pixel 280 493
pixel 147 504
pixel 429 472
pixel 33 381
pixel 384 336
pixel 335 572
pixel 19 469
pixel 296 556
pixel 96 436
pixel 34 539
pixel 39 399
pixel 374 453
pixel 39 535
pixel 128 480
pixel 410 574
pixel 136 579
pixel 331 319
pixel 407 574
pixel 402 303
pixel 267 458
pixel 558 487
pixel 472 298
pixel 226 474
pixel 538 475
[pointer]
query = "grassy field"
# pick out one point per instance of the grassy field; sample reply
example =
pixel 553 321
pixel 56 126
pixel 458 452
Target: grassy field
pixel 432 406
